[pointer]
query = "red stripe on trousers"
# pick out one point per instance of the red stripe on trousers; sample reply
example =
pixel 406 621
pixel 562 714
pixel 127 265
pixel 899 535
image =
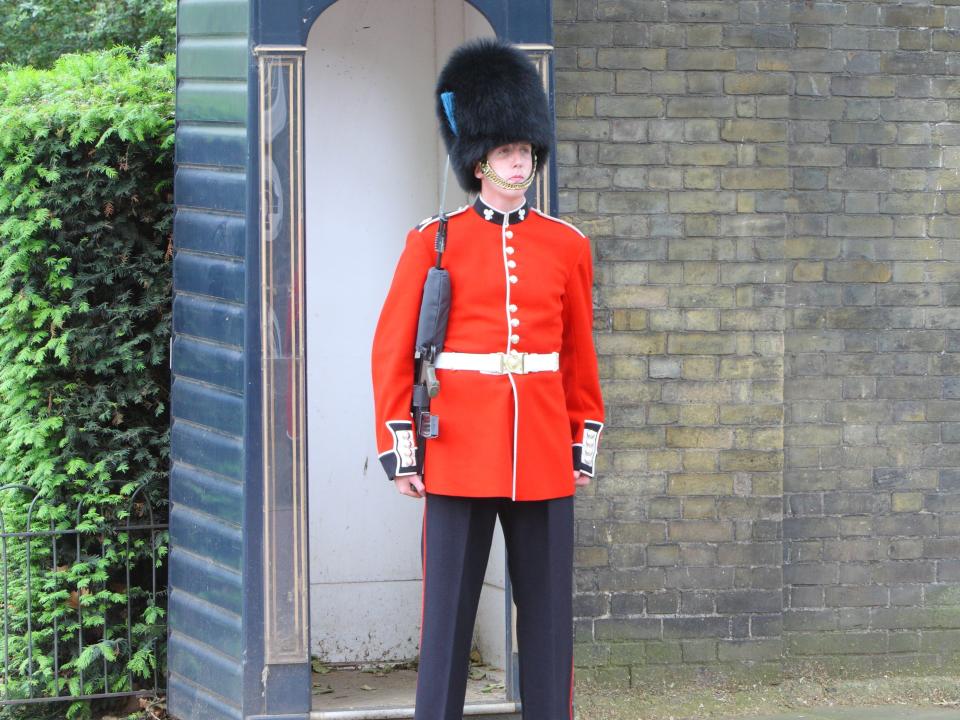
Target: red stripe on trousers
pixel 423 562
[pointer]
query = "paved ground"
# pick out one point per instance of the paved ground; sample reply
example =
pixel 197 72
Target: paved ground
pixel 874 713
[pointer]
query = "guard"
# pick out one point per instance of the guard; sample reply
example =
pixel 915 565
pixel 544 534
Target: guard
pixel 519 408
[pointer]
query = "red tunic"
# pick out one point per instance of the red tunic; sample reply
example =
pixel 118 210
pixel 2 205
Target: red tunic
pixel 519 282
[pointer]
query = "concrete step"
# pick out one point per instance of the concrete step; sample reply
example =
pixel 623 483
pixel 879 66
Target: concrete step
pixel 355 695
pixel 487 711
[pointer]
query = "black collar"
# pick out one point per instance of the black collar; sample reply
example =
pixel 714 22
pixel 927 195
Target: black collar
pixel 496 217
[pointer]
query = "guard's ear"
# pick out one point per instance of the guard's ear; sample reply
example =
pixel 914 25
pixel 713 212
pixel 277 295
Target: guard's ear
pixel 477 172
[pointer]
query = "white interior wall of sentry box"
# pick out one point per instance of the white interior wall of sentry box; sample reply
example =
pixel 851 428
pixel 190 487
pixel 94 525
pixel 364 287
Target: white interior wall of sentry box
pixel 374 168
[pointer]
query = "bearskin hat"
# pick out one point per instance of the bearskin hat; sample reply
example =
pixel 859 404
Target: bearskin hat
pixel 497 98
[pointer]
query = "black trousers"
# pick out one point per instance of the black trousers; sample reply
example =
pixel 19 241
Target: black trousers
pixel 457 532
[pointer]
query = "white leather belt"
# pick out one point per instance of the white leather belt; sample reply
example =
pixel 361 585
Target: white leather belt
pixel 499 363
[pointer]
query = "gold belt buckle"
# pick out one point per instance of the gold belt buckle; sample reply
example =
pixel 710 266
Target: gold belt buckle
pixel 512 363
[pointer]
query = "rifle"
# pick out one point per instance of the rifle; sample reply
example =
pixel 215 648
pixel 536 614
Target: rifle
pixel 432 325
pixel 431 333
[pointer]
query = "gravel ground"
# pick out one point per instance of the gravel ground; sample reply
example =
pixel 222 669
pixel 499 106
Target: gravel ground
pixel 795 697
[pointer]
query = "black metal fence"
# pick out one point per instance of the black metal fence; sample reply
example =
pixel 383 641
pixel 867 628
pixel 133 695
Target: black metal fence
pixel 83 607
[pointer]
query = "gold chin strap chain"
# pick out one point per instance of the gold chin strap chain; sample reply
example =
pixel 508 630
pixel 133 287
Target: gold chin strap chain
pixel 490 175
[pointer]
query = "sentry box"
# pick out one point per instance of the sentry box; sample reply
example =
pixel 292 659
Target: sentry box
pixel 306 147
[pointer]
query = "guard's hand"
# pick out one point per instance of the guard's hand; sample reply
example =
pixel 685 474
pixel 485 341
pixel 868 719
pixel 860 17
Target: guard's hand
pixel 579 479
pixel 410 485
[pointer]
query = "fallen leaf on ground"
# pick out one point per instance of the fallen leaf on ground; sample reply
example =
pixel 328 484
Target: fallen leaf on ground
pixel 490 687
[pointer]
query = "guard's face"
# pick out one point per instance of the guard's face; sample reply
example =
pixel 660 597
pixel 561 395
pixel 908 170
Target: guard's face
pixel 513 162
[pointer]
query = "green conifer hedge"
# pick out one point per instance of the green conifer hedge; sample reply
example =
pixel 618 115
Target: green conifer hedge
pixel 86 155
